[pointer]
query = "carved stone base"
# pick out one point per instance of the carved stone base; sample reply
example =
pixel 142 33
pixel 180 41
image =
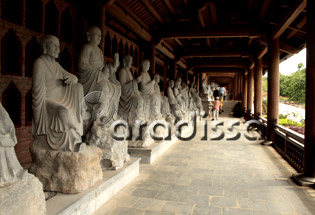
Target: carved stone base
pixel 23 197
pixel 66 172
pixel 303 180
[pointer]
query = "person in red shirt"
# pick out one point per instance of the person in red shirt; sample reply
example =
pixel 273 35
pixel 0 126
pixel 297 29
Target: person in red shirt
pixel 216 108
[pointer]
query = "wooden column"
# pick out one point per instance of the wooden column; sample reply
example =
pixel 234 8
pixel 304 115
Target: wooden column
pixel 244 95
pixel 186 77
pixel 102 25
pixel 152 60
pixel 308 177
pixel 258 88
pixel 250 84
pixel 175 69
pixel 273 87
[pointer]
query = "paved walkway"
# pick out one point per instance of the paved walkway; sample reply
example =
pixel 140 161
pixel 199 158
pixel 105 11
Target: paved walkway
pixel 214 177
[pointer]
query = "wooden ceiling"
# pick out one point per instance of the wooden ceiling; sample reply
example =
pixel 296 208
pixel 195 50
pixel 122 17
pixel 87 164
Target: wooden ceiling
pixel 211 34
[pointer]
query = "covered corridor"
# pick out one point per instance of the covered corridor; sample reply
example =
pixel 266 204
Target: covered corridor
pixel 214 177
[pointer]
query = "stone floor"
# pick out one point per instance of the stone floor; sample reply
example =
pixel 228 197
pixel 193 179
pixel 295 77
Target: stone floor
pixel 214 177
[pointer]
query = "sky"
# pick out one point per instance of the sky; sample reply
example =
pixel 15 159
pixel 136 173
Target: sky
pixel 289 66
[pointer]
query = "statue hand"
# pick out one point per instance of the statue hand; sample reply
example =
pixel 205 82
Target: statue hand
pixel 71 80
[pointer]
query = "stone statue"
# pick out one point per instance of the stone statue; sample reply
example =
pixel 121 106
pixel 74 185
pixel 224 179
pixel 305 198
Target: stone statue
pixel 102 93
pixel 131 105
pixel 57 98
pixel 152 109
pixel 10 168
pixel 175 107
pixel 184 92
pixel 157 91
pixel 98 80
pixel 131 102
pixel 196 99
pixel 179 97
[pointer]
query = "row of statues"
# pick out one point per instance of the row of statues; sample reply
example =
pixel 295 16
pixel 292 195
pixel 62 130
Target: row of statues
pixel 73 113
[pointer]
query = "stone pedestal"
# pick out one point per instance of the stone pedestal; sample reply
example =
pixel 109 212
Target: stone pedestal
pixel 66 172
pixel 23 197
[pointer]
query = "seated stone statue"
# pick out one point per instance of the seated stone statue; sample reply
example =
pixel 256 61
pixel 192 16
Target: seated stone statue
pixel 131 102
pixel 101 89
pixel 57 98
pixel 10 168
pixel 151 101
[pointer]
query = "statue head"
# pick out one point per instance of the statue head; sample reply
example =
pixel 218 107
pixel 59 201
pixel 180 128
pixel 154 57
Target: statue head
pixel 127 61
pixel 157 78
pixel 171 83
pixel 184 86
pixel 145 64
pixel 50 46
pixel 94 35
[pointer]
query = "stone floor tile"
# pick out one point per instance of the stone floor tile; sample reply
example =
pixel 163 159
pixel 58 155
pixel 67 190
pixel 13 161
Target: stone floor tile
pixel 178 207
pixel 205 210
pixel 223 202
pixel 125 211
pixel 196 199
pixel 234 211
pixel 280 207
pixel 145 193
pixel 252 204
pixel 150 204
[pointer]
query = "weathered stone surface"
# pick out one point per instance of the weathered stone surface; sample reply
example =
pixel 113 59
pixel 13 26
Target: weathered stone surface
pixel 66 172
pixel 24 197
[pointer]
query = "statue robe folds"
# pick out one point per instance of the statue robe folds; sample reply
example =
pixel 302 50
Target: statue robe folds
pixel 10 168
pixel 91 64
pixel 56 106
pixel 131 102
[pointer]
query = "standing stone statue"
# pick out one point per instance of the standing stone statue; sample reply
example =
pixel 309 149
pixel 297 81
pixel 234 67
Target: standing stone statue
pixel 102 92
pixel 131 105
pixel 146 85
pixel 184 92
pixel 175 107
pixel 20 192
pixel 67 165
pixel 179 97
pixel 10 168
pixel 57 98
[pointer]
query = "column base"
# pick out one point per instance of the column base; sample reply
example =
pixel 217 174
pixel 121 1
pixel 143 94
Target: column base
pixel 266 143
pixel 302 180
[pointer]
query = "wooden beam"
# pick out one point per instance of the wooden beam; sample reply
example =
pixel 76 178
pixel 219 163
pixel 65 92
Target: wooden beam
pixel 249 4
pixel 284 47
pixel 214 53
pixel 165 51
pixel 152 10
pixel 263 9
pixel 178 42
pixel 170 6
pixel 119 14
pixel 202 22
pixel 262 52
pixel 181 64
pixel 289 18
pixel 220 70
pixel 250 41
pixel 214 32
pixel 131 13
pixel 108 3
pixel 298 26
pixel 213 12
pixel 218 65
pixel 185 3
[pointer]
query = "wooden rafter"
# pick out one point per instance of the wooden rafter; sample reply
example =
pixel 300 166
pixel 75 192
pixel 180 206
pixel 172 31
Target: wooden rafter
pixel 165 51
pixel 284 47
pixel 152 10
pixel 213 12
pixel 249 4
pixel 108 3
pixel 131 13
pixel 202 22
pixel 170 6
pixel 214 32
pixel 185 3
pixel 298 26
pixel 262 52
pixel 178 42
pixel 119 14
pixel 219 65
pixel 263 9
pixel 214 53
pixel 289 18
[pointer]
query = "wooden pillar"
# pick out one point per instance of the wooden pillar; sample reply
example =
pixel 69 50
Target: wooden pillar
pixel 273 87
pixel 240 82
pixel 250 84
pixel 244 97
pixel 186 77
pixel 102 25
pixel 175 69
pixel 308 177
pixel 258 88
pixel 152 60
